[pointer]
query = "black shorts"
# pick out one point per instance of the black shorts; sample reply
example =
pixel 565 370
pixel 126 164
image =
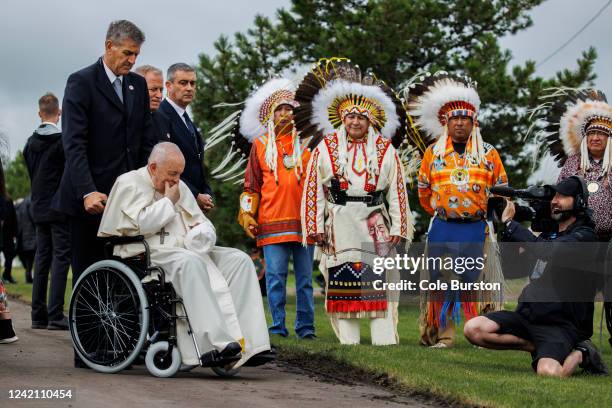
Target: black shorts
pixel 555 342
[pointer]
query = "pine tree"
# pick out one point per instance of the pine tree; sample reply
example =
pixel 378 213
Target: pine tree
pixel 229 76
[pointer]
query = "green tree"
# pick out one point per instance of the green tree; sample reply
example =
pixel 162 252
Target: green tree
pixel 396 39
pixel 17 177
pixel 229 76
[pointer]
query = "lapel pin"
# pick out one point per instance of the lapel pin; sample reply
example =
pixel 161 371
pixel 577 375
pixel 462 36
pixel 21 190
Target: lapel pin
pixel 131 87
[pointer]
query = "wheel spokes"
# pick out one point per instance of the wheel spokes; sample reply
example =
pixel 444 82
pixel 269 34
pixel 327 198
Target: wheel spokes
pixel 108 318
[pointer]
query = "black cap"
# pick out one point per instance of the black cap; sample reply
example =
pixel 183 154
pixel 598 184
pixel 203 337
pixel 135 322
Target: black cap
pixel 571 186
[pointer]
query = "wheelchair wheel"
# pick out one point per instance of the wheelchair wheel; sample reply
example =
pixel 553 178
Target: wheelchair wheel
pixel 159 363
pixel 108 316
pixel 225 372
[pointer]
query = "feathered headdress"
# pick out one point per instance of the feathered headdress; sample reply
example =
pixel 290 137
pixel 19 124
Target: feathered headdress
pixel 259 107
pixel 432 99
pixel 563 120
pixel 255 120
pixel 335 88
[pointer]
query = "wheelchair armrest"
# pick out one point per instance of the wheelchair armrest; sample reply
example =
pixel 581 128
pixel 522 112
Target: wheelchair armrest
pixel 111 242
pixel 124 240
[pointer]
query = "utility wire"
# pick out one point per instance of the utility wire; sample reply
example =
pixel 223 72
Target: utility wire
pixel 573 37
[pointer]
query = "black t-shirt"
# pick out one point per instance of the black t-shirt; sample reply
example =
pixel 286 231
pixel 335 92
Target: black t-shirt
pixel 562 278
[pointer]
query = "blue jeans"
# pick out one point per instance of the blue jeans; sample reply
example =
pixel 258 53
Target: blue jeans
pixel 277 267
pixel 458 240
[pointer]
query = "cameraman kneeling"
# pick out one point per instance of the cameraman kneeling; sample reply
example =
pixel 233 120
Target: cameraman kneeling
pixel 555 333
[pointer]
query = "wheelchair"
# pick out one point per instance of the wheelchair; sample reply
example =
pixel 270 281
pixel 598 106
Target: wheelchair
pixel 115 319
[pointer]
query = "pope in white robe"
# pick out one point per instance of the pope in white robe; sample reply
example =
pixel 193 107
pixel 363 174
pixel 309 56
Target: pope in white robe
pixel 218 285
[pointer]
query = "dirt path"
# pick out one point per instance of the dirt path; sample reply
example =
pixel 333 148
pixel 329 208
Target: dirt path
pixel 42 359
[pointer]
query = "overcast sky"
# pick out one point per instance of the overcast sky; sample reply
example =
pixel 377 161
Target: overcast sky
pixel 42 42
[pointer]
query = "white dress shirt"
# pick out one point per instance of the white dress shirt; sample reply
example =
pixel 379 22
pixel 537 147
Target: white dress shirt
pixel 110 74
pixel 178 110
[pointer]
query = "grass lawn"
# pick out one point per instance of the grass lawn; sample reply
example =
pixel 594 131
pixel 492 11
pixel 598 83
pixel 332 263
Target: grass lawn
pixel 463 374
pixel 24 290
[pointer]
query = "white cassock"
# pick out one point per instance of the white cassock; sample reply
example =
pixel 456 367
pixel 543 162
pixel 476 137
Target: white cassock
pixel 218 285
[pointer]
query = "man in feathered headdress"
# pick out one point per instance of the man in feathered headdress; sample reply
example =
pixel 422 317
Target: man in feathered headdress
pixel 270 203
pixel 457 171
pixel 355 202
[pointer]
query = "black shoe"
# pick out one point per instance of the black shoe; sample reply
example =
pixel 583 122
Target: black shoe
pixel 231 350
pixel 8 279
pixel 261 358
pixel 310 336
pixel 591 359
pixel 230 354
pixel 40 325
pixel 7 333
pixel 58 324
pixel 211 359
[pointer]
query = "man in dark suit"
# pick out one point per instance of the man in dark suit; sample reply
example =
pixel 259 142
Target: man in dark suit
pixel 174 125
pixel 106 131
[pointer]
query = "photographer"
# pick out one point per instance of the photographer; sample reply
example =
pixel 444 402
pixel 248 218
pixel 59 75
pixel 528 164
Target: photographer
pixel 556 333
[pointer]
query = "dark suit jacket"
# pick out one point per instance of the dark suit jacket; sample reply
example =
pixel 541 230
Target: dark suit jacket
pixel 44 157
pixel 102 137
pixel 171 128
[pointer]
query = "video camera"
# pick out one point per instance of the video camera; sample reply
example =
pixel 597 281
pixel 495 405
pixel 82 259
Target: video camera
pixel 538 212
